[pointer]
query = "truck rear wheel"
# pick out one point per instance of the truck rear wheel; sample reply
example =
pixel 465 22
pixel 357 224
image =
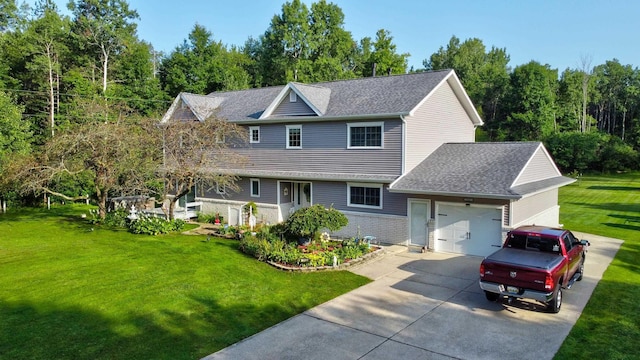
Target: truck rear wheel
pixel 491 296
pixel 556 302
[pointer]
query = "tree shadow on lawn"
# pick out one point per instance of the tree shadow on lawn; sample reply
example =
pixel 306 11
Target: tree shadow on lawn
pixel 49 331
pixel 623 226
pixel 613 188
pixel 71 211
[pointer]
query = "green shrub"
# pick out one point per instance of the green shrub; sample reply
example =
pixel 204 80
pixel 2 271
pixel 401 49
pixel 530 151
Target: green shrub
pixel 150 225
pixel 307 222
pixel 268 245
pixel 116 218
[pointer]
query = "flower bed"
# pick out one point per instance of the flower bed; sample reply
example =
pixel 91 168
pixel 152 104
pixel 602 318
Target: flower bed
pixel 318 255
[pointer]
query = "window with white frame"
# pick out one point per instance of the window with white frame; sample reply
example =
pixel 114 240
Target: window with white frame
pixel 364 195
pixel 294 136
pixel 293 97
pixel 255 187
pixel 365 135
pixel 254 134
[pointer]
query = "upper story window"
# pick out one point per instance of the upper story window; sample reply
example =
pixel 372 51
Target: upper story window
pixel 254 134
pixel 255 187
pixel 365 135
pixel 364 195
pixel 294 136
pixel 293 97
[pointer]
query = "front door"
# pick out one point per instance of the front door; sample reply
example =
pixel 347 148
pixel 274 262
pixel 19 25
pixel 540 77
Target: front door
pixel 419 212
pixel 301 195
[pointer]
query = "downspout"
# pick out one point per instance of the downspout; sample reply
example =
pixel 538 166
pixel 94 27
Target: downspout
pixel 404 143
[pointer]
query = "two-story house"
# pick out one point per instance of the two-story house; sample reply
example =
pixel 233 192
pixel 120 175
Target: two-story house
pixel 396 154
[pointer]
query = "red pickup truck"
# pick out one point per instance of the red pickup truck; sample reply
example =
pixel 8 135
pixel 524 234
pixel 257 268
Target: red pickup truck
pixel 534 263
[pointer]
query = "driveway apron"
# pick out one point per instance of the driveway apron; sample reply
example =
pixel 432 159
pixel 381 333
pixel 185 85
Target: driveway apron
pixel 426 305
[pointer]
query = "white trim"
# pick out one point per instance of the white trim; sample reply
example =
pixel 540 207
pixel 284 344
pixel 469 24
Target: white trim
pixel 546 153
pixel 278 100
pixel 288 144
pixel 251 130
pixel 365 124
pixel 460 92
pixel 251 181
pixel 364 185
pixel 410 216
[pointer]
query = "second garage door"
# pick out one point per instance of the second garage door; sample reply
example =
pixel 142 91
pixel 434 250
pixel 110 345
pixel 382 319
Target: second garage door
pixel 468 229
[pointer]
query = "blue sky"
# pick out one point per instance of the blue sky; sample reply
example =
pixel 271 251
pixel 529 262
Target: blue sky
pixel 554 32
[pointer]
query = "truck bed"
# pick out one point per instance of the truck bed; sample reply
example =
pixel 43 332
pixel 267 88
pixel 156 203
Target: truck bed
pixel 526 258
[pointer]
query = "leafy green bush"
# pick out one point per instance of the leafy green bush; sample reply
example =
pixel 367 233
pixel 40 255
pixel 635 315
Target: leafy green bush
pixel 117 218
pixel 150 225
pixel 268 245
pixel 307 222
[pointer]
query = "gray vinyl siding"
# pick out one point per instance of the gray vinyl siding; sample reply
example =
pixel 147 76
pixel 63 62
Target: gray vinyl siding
pixel 335 193
pixel 440 119
pixel 539 167
pixel 292 108
pixel 324 149
pixel 525 208
pixel 183 113
pixel 268 192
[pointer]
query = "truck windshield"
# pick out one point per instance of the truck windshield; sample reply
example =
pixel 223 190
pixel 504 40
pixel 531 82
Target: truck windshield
pixel 531 242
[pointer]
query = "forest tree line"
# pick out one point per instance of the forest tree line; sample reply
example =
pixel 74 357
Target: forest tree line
pixel 60 71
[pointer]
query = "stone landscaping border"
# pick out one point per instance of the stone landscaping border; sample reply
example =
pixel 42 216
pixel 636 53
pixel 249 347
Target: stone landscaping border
pixel 379 250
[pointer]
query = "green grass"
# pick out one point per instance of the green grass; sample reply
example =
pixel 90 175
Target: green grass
pixel 70 290
pixel 609 327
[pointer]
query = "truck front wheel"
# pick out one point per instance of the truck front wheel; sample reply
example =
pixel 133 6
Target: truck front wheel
pixel 556 302
pixel 491 296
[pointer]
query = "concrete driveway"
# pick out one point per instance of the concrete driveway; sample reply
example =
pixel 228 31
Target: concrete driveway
pixel 426 306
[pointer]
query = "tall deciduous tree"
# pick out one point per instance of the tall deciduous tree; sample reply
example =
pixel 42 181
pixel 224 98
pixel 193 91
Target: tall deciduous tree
pixel 306 45
pixel 531 107
pixel 46 34
pixel 383 56
pixel 119 157
pixel 485 75
pixel 202 65
pixel 104 26
pixel 15 134
pixel 198 152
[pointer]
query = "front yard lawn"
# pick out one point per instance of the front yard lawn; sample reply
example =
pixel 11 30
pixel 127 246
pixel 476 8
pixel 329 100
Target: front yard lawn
pixel 70 290
pixel 609 327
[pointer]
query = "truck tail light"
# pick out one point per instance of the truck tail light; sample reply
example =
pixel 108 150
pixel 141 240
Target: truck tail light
pixel 548 282
pixel 481 270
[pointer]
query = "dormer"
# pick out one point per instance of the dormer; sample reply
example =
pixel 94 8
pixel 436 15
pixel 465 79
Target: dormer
pixel 297 99
pixel 192 107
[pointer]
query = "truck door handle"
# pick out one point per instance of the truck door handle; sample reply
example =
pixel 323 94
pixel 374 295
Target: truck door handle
pixel 468 235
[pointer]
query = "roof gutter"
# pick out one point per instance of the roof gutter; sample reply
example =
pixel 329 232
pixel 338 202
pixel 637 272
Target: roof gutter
pixel 458 194
pixel 302 119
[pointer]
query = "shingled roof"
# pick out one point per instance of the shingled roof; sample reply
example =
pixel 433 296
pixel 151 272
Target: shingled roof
pixel 396 95
pixel 489 170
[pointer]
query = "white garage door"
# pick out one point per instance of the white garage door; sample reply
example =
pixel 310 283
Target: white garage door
pixel 470 230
